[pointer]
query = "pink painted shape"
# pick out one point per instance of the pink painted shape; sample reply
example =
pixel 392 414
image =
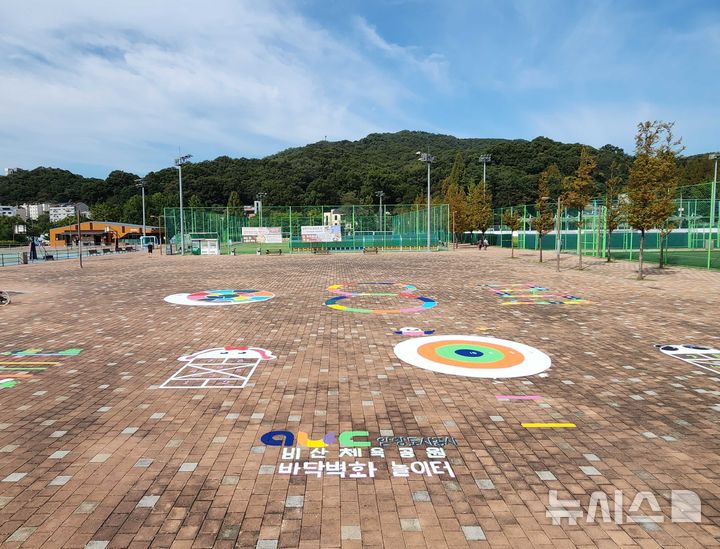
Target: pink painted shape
pixel 518 397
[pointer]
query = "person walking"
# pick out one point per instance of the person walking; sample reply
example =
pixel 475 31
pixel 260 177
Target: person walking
pixel 33 249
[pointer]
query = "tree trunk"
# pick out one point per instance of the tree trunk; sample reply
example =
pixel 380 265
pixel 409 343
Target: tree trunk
pixel 580 242
pixel 640 255
pixel 540 238
pixel 661 263
pixel 609 237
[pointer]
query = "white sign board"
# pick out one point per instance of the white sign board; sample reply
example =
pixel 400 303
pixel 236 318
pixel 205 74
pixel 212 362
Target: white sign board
pixel 321 233
pixel 262 235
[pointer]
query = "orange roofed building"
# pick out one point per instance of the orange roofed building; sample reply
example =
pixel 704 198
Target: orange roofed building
pixel 99 233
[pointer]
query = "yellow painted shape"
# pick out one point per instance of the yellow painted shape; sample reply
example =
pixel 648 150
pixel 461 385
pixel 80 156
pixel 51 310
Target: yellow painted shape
pixel 547 425
pixel 303 440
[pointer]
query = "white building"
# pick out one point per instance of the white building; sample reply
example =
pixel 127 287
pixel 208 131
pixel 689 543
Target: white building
pixel 68 210
pixel 333 217
pixel 36 210
pixel 9 171
pixel 8 211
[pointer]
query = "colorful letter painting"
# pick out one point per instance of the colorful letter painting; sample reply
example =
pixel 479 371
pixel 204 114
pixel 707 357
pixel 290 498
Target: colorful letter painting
pixel 703 357
pixel 21 365
pixel 472 356
pixel 530 294
pixel 220 297
pixel 218 368
pixel 405 291
pixel 413 332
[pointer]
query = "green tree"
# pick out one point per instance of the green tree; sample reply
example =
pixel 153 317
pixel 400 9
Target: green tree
pixel 457 174
pixel 103 211
pixel 614 210
pixel 234 202
pixel 544 220
pixel 578 191
pixel 456 198
pixel 480 210
pixel 511 219
pixel 195 202
pixel 653 179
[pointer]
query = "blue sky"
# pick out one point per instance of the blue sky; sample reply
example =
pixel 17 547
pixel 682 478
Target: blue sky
pixel 95 86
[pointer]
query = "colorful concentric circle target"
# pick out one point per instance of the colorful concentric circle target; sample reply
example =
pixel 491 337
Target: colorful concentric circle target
pixel 425 303
pixel 388 289
pixel 220 297
pixel 473 356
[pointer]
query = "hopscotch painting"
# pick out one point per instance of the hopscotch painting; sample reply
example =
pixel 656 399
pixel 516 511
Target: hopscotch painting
pixel 707 358
pixel 218 368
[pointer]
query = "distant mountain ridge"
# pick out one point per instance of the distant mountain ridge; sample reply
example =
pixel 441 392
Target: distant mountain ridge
pixel 339 172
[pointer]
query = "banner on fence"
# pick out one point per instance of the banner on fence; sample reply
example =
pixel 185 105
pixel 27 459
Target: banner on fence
pixel 262 235
pixel 321 233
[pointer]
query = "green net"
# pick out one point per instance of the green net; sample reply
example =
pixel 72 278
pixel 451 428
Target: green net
pixel 694 240
pixel 307 228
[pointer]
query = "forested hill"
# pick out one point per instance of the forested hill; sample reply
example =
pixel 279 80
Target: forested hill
pixel 342 172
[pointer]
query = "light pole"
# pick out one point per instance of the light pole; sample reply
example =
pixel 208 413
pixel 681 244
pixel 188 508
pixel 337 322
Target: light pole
pixel 713 195
pixel 485 159
pixel 428 159
pixel 179 162
pixel 141 183
pixel 381 218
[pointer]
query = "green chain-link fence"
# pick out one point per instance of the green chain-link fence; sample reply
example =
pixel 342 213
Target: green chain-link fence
pixel 692 242
pixel 394 227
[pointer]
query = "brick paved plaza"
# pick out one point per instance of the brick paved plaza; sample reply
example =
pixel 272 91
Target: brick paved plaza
pixel 95 453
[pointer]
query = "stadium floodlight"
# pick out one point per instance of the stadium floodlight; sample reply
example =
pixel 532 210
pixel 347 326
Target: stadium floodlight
pixel 179 162
pixel 485 159
pixel 428 159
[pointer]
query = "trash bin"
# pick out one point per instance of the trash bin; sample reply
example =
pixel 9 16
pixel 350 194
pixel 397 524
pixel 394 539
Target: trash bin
pixel 150 248
pixel 25 258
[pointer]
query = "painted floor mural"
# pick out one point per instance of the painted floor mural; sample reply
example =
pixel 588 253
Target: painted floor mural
pixel 475 424
pixel 220 297
pixel 473 356
pixel 703 357
pixel 20 365
pixel 387 289
pixel 218 368
pixel 409 331
pixel 531 294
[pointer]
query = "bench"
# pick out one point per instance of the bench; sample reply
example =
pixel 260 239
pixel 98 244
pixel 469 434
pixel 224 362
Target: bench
pixel 321 251
pixel 273 252
pixel 371 250
pixel 49 257
pixel 129 249
pixel 92 252
pixel 107 251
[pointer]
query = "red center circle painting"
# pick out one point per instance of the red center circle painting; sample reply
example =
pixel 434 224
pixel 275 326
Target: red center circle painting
pixel 473 356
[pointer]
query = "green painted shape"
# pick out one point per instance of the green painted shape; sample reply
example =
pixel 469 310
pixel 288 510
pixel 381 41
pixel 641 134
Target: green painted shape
pixel 70 352
pixel 346 439
pixel 488 354
pixel 22 369
pixel 8 384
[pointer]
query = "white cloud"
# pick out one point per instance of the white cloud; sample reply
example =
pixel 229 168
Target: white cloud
pixel 433 66
pixel 118 84
pixel 594 124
